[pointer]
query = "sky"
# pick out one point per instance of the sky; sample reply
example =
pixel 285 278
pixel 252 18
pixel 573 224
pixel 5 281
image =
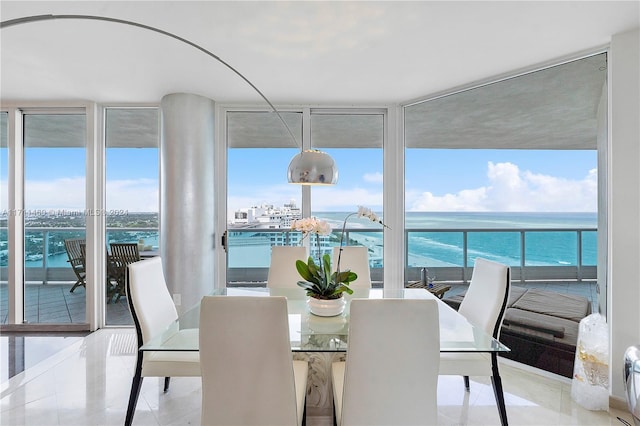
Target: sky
pixel 436 180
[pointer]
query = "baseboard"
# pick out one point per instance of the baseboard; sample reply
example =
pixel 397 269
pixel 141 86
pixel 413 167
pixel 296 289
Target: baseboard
pixel 618 403
pixel 44 327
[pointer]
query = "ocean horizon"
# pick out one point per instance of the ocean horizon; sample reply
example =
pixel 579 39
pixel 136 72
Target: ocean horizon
pixel 430 246
pixel 436 248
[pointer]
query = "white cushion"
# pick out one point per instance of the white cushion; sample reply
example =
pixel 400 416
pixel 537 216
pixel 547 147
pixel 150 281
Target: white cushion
pixel 248 373
pixel 301 375
pixel 355 259
pixel 390 382
pixel 282 269
pixel 171 364
pixel 465 364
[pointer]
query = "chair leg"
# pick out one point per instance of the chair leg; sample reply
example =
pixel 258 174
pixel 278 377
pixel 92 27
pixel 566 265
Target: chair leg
pixel 496 381
pixel 135 391
pixel 166 383
pixel 304 412
pixel 466 383
pixel 79 282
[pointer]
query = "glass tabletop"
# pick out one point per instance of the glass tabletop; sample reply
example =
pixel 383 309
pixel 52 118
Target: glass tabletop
pixel 311 333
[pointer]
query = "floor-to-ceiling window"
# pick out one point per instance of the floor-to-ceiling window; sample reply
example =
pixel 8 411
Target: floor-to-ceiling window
pixel 4 206
pixel 354 139
pixel 54 211
pixel 132 204
pixel 261 205
pixel 507 171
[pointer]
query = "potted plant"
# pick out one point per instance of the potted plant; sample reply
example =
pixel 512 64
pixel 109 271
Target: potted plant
pixel 324 288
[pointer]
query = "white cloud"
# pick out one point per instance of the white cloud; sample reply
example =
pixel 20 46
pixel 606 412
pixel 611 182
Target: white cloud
pixel 57 194
pixel 338 198
pixel 507 189
pixel 375 177
pixel 134 195
pixel 69 194
pixel 511 189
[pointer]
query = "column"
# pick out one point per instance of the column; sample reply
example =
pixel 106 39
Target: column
pixel 187 196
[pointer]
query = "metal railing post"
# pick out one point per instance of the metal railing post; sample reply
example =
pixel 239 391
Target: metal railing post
pixel 522 255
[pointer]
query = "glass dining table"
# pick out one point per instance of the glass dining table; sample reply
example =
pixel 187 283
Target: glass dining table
pixel 311 333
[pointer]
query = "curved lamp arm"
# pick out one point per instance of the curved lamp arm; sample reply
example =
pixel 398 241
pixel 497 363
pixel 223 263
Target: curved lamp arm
pixel 37 18
pixel 307 168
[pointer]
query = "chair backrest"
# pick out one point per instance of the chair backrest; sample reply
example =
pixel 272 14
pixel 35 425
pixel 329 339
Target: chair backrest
pixel 127 253
pixel 282 270
pixel 356 259
pixel 150 303
pixel 246 362
pixel 392 382
pixel 486 299
pixel 76 257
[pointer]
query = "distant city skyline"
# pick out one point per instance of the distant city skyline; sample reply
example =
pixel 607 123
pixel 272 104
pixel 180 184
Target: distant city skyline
pixel 435 180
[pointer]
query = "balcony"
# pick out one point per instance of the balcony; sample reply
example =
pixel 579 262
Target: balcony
pixel 447 253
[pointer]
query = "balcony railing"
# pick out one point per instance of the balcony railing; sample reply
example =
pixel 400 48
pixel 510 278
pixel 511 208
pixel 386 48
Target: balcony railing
pixel 533 253
pixel 46 258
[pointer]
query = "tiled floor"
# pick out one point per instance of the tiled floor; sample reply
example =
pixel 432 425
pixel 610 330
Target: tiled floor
pixel 54 304
pixel 88 383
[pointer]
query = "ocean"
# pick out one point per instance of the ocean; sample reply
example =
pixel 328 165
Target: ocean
pixel 443 243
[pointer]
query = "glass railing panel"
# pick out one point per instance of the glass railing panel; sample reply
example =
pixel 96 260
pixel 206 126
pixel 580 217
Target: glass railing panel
pixel 502 247
pixel 372 239
pixel 435 249
pixel 44 248
pixel 589 248
pixel 551 248
pixel 249 251
pixel 146 238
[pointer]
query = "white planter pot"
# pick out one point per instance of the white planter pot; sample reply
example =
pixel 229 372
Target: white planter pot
pixel 326 307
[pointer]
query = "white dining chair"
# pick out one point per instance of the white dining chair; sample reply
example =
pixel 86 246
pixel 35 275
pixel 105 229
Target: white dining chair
pixel 389 382
pixel 356 259
pixel 282 269
pixel 153 311
pixel 248 374
pixel 483 306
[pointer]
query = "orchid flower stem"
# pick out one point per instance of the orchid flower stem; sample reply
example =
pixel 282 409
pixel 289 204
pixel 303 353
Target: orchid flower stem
pixel 344 225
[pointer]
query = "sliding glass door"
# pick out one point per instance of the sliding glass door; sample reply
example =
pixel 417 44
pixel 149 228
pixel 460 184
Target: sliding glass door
pixel 54 212
pixel 132 173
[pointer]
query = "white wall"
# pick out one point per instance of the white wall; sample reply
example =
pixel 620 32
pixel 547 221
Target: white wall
pixel 624 201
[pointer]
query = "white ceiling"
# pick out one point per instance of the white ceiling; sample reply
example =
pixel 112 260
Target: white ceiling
pixel 329 53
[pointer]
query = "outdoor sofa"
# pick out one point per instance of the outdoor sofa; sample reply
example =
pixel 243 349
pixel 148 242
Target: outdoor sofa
pixel 540 327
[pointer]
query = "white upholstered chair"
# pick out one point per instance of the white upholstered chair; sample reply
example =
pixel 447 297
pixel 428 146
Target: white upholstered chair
pixel 282 269
pixel 248 374
pixel 390 376
pixel 483 305
pixel 153 311
pixel 356 259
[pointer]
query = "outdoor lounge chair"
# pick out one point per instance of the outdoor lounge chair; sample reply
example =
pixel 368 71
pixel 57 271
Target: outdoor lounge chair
pixel 122 255
pixel 76 260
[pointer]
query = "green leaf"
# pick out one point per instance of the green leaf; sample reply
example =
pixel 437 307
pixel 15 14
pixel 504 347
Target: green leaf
pixel 304 270
pixel 346 276
pixel 313 268
pixel 327 267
